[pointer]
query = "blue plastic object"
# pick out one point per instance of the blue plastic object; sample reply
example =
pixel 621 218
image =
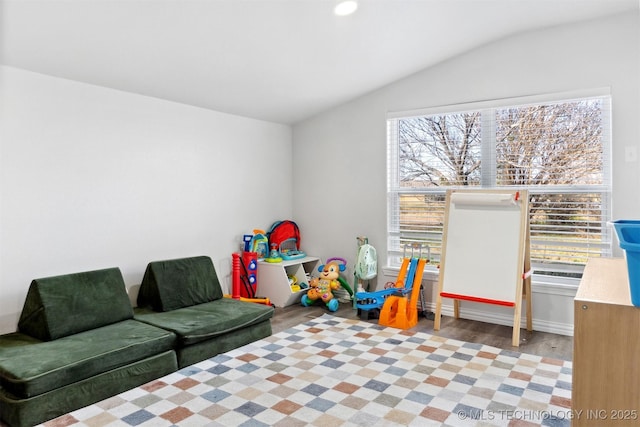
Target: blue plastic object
pixel 375 299
pixel 628 232
pixel 306 301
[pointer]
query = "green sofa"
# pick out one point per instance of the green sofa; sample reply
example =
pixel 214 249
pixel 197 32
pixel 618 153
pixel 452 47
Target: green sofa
pixel 77 343
pixel 184 296
pixel 80 341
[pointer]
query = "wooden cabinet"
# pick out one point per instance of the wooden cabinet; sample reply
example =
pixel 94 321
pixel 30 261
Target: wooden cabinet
pixel 273 279
pixel 606 349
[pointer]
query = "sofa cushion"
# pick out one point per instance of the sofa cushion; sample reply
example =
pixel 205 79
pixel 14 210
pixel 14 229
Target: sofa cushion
pixel 177 283
pixel 59 306
pixel 205 321
pixel 27 412
pixel 207 349
pixel 29 368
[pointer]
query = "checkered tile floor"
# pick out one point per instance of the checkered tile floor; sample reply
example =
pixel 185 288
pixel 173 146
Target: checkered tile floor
pixel 332 371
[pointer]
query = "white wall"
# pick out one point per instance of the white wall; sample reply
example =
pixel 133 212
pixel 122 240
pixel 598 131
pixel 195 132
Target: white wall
pixel 94 178
pixel 340 155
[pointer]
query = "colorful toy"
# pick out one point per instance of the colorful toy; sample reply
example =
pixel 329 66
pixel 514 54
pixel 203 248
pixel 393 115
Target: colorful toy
pixel 400 310
pixel 245 263
pixel 366 268
pixel 293 283
pixel 321 288
pixel 274 256
pixel 398 303
pixel 258 243
pixel 250 274
pixel 285 235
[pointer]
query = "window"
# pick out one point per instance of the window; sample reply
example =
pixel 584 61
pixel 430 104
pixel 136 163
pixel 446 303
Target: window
pixel 559 150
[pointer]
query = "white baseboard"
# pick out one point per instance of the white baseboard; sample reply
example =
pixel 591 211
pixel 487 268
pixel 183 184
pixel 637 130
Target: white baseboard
pixel 501 319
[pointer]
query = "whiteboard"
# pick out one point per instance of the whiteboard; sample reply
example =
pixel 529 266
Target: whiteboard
pixel 484 245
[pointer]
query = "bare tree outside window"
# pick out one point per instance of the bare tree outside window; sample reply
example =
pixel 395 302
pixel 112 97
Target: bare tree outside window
pixel 440 150
pixel 558 144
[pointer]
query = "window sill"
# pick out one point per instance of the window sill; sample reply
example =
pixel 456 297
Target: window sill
pixel 539 284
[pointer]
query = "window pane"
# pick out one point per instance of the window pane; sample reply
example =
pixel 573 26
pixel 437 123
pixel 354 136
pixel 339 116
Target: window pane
pixel 421 221
pixel 555 144
pixel 438 151
pixel 566 229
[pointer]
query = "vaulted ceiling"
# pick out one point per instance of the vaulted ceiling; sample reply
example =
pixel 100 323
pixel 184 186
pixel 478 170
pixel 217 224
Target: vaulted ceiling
pixel 274 60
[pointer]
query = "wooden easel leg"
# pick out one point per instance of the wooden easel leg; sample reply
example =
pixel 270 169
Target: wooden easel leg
pixel 456 308
pixel 527 287
pixel 517 312
pixel 516 326
pixel 436 320
pixel 527 277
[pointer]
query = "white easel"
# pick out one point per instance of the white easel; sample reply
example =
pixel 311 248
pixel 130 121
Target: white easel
pixel 486 252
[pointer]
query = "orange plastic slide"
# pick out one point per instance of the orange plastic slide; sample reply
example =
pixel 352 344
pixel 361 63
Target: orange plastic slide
pixel 401 311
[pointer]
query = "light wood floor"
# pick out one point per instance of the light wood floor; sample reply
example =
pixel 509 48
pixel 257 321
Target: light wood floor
pixel 538 343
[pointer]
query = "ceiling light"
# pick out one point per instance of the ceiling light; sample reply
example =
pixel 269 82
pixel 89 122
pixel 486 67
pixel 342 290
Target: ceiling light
pixel 346 7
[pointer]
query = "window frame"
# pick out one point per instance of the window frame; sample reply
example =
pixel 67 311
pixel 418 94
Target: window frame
pixel 394 190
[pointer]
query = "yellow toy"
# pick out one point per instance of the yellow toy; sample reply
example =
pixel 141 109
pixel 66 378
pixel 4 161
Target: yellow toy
pixel 321 288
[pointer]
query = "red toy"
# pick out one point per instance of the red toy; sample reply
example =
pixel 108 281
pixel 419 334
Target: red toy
pixel 247 264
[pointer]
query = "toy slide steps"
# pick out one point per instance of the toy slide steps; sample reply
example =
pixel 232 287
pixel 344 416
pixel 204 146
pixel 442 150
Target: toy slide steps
pixel 400 311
